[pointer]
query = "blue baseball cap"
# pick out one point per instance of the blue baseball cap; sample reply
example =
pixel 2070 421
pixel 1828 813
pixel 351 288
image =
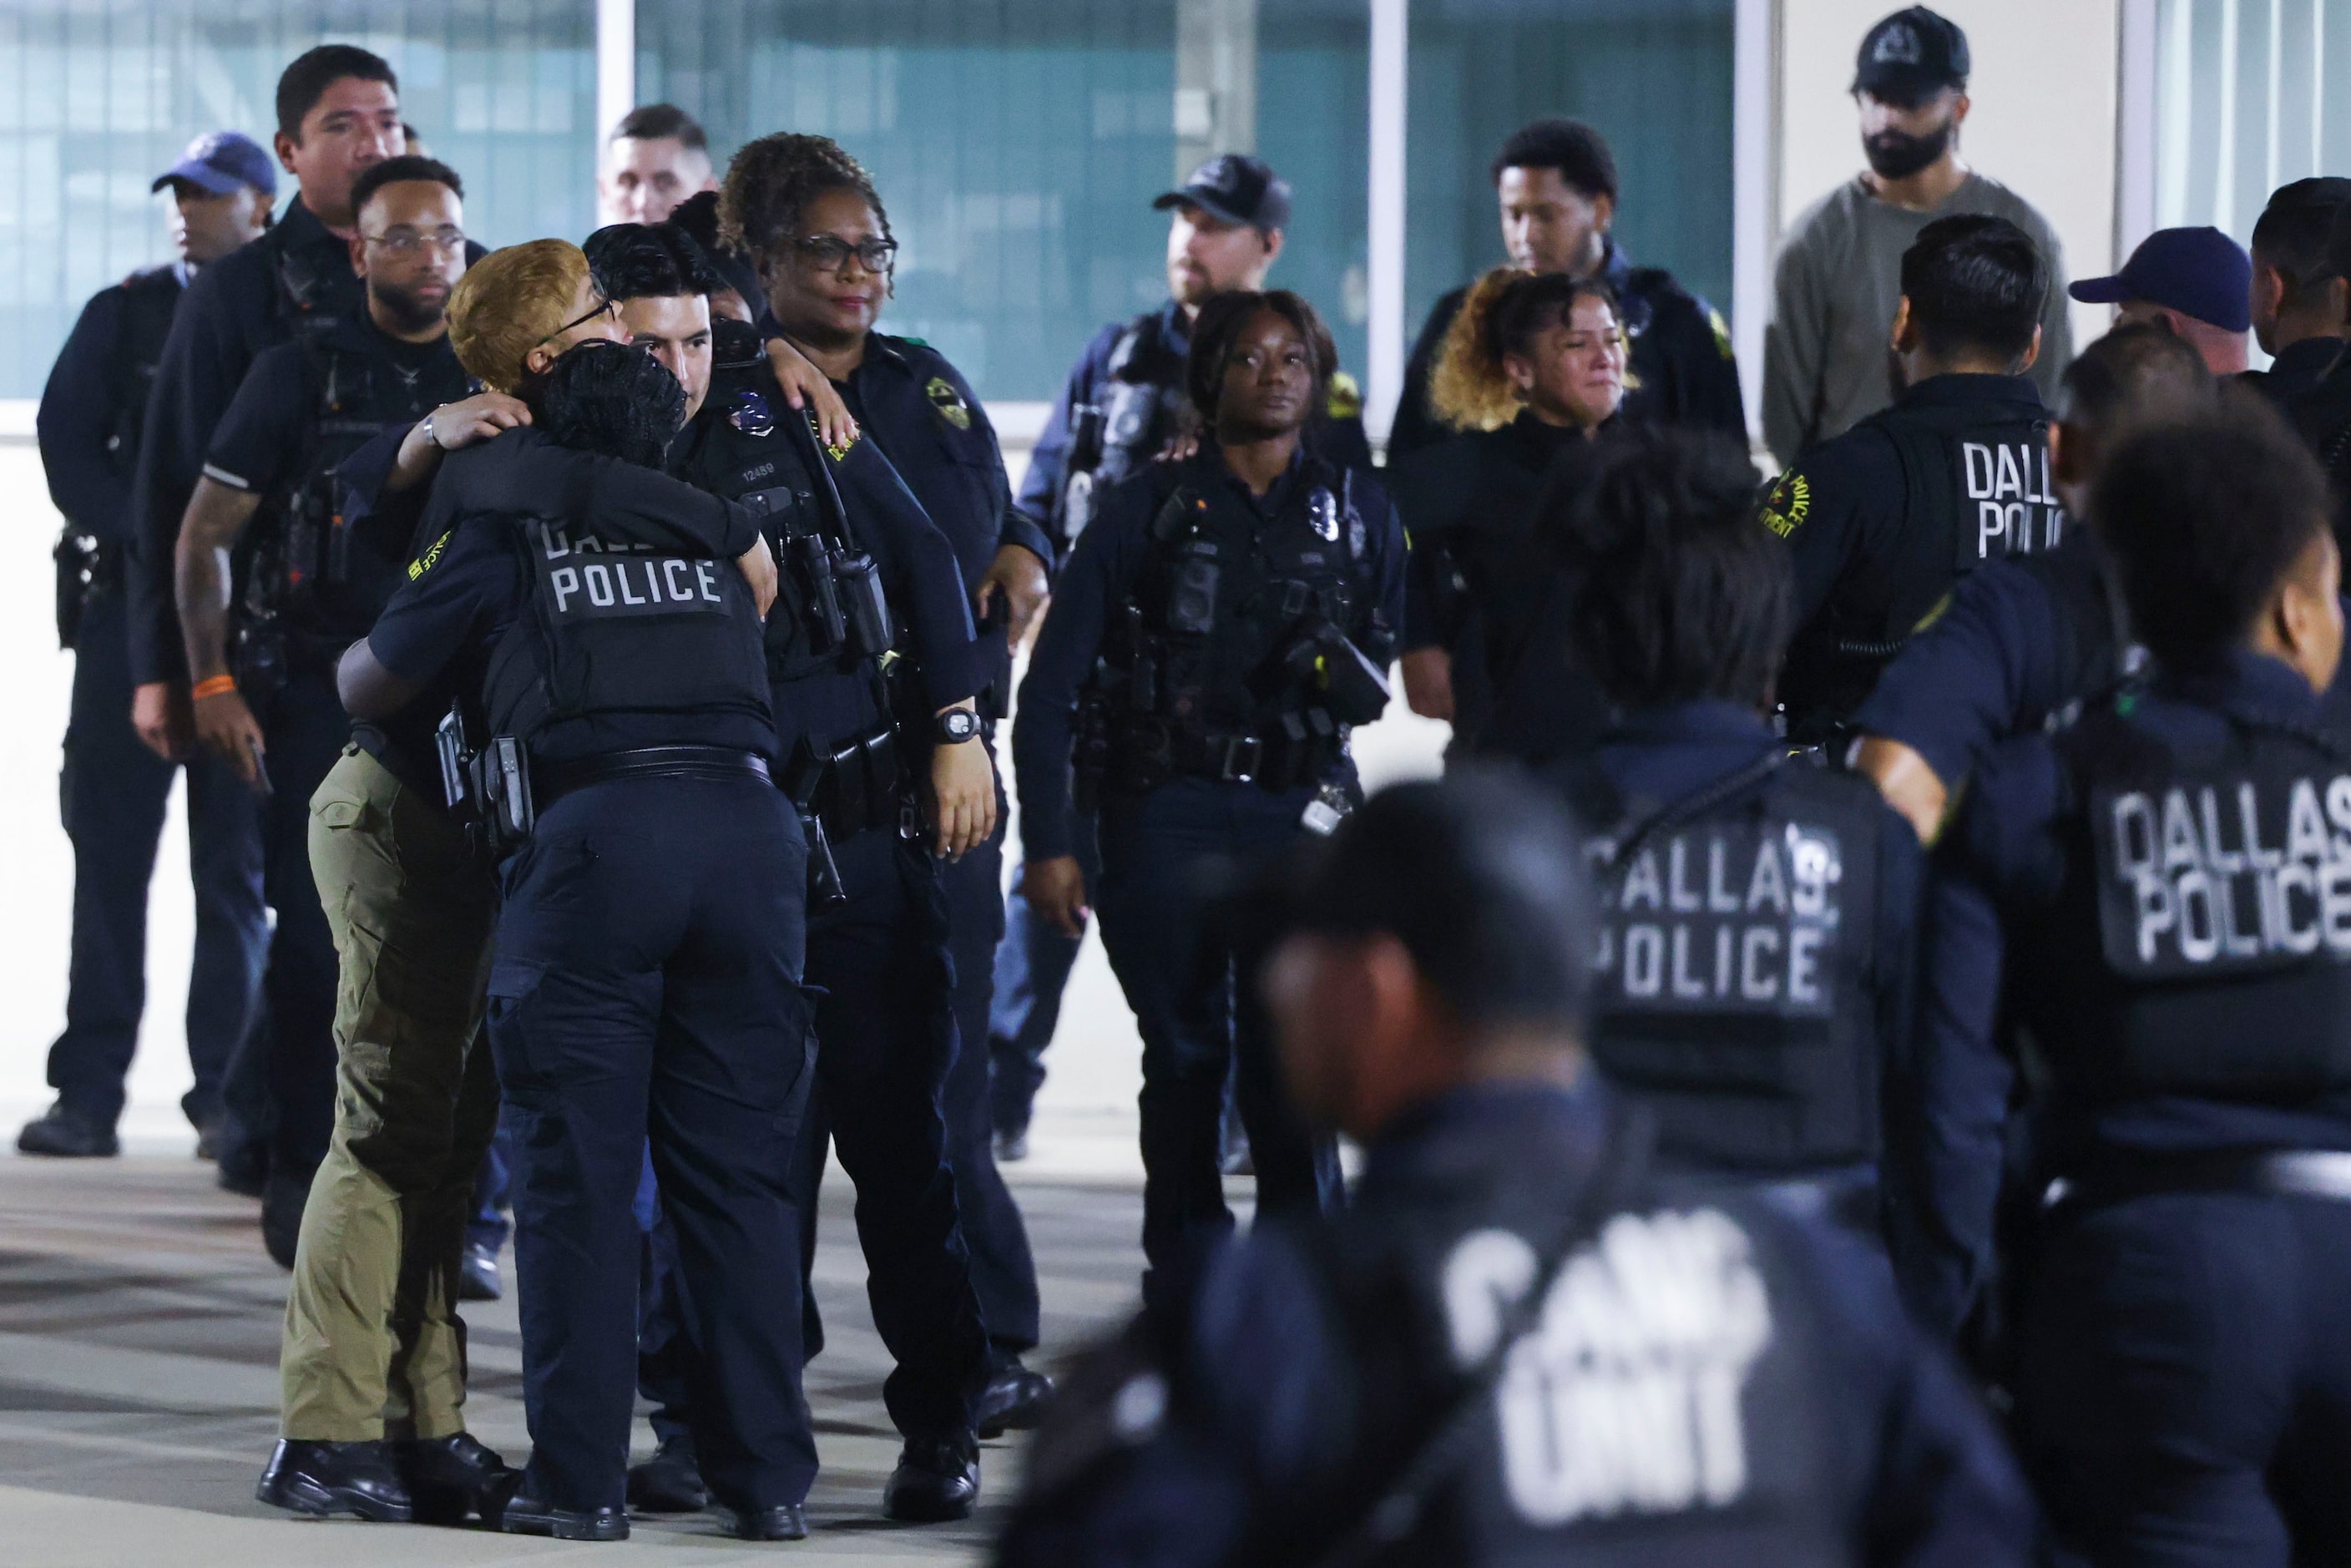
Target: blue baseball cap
pixel 219 162
pixel 2200 273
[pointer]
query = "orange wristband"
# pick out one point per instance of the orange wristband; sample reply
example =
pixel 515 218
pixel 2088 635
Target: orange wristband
pixel 213 686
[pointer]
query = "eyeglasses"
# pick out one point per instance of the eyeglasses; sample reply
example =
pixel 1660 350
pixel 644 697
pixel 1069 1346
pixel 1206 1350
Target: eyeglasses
pixel 408 242
pixel 829 253
pixel 601 307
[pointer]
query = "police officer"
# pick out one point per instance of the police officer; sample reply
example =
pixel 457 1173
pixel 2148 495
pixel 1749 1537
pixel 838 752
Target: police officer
pixel 2321 411
pixel 2025 637
pixel 1534 370
pixel 872 671
pixel 114 790
pixel 263 619
pixel 1122 406
pixel 648 968
pixel 1751 982
pixel 813 221
pixel 1555 181
pixel 2301 310
pixel 1515 1345
pixel 1882 520
pixel 2151 892
pixel 1228 620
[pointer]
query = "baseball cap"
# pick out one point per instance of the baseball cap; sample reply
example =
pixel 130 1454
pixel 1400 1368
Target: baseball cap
pixel 2200 273
pixel 219 162
pixel 1910 55
pixel 1235 188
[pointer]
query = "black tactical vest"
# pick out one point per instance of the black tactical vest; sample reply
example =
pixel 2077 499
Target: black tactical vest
pixel 1215 657
pixel 1733 975
pixel 611 631
pixel 2201 943
pixel 1135 409
pixel 150 299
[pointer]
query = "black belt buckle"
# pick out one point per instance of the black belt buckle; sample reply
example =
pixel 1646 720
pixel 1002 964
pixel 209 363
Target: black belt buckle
pixel 1242 755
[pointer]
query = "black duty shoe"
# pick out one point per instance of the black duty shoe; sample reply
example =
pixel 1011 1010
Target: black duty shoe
pixel 65 1134
pixel 1012 1147
pixel 477 1276
pixel 1014 1400
pixel 323 1479
pixel 520 1513
pixel 451 1479
pixel 669 1482
pixel 785 1521
pixel 244 1170
pixel 936 1479
pixel 282 1200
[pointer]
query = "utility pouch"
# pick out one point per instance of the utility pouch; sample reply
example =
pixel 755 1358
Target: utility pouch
pixel 827 629
pixel 501 776
pixel 863 603
pixel 450 745
pixel 77 559
pixel 258 659
pixel 1337 675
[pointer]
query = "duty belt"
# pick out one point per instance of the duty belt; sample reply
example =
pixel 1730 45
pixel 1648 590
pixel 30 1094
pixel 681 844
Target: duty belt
pixel 550 780
pixel 849 788
pixel 1232 757
pixel 2273 1172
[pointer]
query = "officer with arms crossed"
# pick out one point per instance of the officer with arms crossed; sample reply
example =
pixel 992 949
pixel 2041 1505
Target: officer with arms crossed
pixel 263 619
pixel 113 789
pixel 1555 180
pixel 813 219
pixel 1883 520
pixel 1514 1346
pixel 1122 406
pixel 649 950
pixel 1223 624
pixel 2154 893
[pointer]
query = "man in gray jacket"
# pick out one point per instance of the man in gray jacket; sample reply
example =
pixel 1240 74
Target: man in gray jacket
pixel 1826 354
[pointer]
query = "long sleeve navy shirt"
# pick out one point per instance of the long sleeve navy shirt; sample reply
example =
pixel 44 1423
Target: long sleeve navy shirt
pixel 80 417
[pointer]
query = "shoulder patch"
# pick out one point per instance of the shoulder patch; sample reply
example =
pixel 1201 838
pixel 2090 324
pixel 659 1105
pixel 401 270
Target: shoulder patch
pixel 915 343
pixel 1346 397
pixel 430 558
pixel 1721 331
pixel 948 402
pixel 1787 503
pixel 816 428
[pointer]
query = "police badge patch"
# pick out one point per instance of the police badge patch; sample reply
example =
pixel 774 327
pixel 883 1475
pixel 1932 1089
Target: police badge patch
pixel 750 414
pixel 1786 507
pixel 1322 511
pixel 948 402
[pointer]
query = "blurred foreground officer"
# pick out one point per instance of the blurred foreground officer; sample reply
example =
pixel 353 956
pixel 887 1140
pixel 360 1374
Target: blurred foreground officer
pixel 1753 976
pixel 2301 303
pixel 1515 1346
pixel 1223 625
pixel 2156 893
pixel 114 788
pixel 1884 520
pixel 648 960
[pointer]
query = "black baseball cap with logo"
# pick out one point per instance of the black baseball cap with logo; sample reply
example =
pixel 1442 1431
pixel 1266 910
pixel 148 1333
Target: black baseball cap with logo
pixel 1911 56
pixel 1237 188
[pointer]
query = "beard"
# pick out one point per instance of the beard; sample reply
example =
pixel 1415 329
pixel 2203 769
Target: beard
pixel 1898 154
pixel 408 312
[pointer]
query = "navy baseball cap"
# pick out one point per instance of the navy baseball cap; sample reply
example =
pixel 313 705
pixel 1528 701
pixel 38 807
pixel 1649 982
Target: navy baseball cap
pixel 2200 273
pixel 219 162
pixel 1911 56
pixel 1235 188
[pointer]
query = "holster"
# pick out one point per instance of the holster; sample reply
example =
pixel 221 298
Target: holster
pixel 87 565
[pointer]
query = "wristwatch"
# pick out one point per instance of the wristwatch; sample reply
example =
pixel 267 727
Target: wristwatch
pixel 957 723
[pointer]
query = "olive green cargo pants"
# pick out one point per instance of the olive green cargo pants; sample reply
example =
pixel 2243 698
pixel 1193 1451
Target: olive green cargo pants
pixel 373 1346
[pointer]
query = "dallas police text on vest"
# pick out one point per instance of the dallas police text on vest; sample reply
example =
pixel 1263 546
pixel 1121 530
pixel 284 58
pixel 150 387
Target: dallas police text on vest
pixel 1722 918
pixel 2007 480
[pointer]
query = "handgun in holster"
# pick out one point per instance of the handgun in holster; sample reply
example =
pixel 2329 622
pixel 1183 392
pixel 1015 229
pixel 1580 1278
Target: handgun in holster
pixel 801 778
pixel 76 556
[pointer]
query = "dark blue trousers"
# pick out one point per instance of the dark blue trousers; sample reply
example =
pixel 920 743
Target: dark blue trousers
pixel 1003 1271
pixel 647 987
pixel 1032 966
pixel 2185 1396
pixel 1158 852
pixel 111 796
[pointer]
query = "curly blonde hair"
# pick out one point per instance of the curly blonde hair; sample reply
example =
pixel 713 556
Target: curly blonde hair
pixel 1469 389
pixel 508 303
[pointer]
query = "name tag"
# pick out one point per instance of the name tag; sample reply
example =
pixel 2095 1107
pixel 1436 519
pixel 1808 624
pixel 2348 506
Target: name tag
pixel 2011 505
pixel 1723 918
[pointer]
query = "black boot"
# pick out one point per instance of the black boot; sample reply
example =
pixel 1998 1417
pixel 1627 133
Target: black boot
pixel 785 1521
pixel 323 1479
pixel 669 1482
pixel 63 1133
pixel 451 1479
pixel 477 1276
pixel 1014 1400
pixel 522 1513
pixel 936 1479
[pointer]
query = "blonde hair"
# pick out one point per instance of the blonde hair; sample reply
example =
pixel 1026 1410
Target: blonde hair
pixel 508 303
pixel 1470 389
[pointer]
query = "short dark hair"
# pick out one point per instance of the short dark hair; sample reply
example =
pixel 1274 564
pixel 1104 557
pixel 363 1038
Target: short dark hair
pixel 1480 876
pixel 1579 153
pixel 1218 325
pixel 398 171
pixel 302 84
pixel 2204 517
pixel 2138 373
pixel 643 261
pixel 698 216
pixel 1685 595
pixel 603 396
pixel 2291 234
pixel 660 121
pixel 1975 282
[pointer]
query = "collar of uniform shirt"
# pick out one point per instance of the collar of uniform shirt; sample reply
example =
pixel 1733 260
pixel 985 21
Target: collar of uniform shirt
pixel 1974 388
pixel 2249 685
pixel 1277 494
pixel 1702 718
pixel 1461 1127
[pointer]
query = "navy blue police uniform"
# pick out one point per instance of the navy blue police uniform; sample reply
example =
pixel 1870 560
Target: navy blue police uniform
pixel 872 634
pixel 1752 979
pixel 113 789
pixel 2156 893
pixel 2297 368
pixel 646 983
pixel 1883 520
pixel 2320 412
pixel 1681 370
pixel 918 408
pixel 307 584
pixel 1220 639
pixel 1707 1380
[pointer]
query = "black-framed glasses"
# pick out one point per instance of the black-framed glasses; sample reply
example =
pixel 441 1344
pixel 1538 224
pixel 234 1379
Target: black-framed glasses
pixel 831 253
pixel 408 241
pixel 601 307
